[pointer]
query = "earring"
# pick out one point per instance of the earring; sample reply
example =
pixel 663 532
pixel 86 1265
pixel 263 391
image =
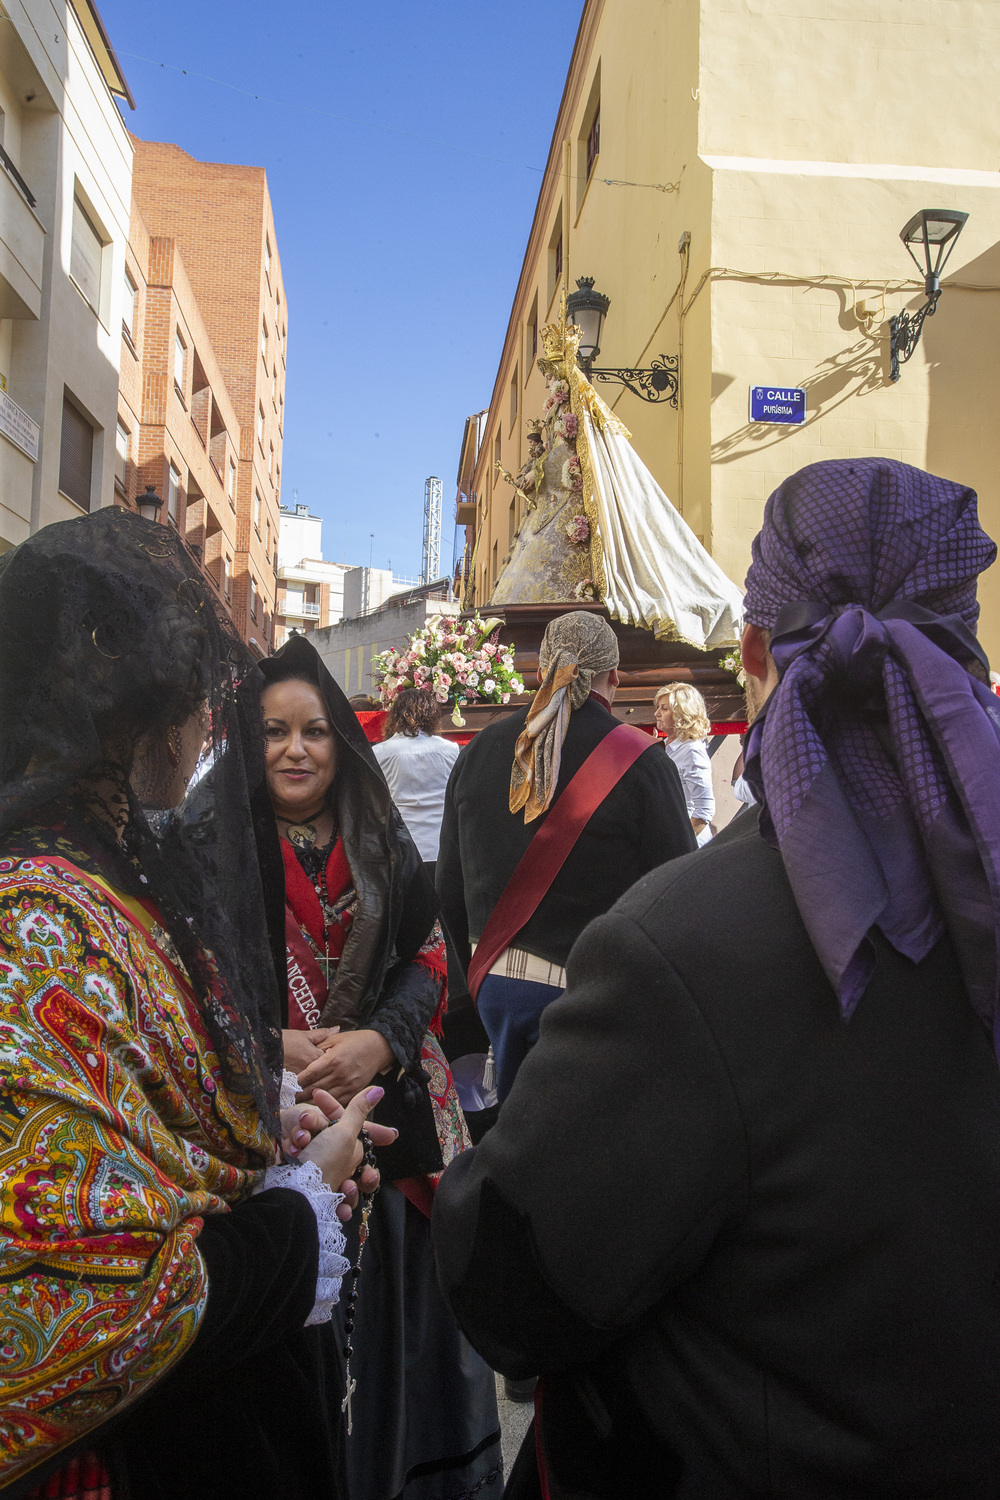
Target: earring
pixel 174 746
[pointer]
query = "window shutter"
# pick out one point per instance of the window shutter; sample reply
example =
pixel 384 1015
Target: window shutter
pixel 85 258
pixel 76 455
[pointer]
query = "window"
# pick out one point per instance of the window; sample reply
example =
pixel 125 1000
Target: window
pixel 531 338
pixel 555 254
pixel 594 139
pixel 173 491
pixel 180 353
pixel 281 413
pixel 121 453
pixel 274 385
pixel 253 599
pixel 270 463
pixel 76 455
pixel 267 257
pixel 227 574
pixel 260 426
pixel 256 511
pixel 496 454
pixel 86 255
pixel 263 340
pixel 267 544
pixel 494 564
pixel 513 397
pixel 231 483
pixel 128 308
pixel 511 523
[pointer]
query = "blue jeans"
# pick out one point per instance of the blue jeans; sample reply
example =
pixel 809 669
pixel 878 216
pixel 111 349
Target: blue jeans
pixel 511 1009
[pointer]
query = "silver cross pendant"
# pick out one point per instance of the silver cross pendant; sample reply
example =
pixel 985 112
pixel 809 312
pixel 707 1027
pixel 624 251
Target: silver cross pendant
pixel 345 1405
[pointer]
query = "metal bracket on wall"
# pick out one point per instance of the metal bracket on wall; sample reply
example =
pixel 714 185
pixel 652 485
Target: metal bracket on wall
pixel 661 382
pixel 904 334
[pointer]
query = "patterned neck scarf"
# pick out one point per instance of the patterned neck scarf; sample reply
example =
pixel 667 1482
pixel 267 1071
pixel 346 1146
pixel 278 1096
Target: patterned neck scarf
pixel 877 757
pixel 575 648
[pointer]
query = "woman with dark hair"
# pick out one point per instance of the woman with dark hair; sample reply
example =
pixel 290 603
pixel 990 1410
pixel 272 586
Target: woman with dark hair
pixel 416 763
pixel 366 990
pixel 158 1267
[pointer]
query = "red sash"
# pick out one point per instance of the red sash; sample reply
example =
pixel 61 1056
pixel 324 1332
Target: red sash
pixel 552 844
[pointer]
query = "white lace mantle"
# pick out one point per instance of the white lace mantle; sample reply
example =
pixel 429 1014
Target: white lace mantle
pixel 305 1178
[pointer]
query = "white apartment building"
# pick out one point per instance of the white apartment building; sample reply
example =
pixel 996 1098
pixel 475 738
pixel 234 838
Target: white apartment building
pixel 310 591
pixel 65 186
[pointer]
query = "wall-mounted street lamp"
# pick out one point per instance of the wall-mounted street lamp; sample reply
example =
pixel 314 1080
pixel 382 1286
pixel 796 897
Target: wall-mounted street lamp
pixel 932 231
pixel 150 504
pixel 586 308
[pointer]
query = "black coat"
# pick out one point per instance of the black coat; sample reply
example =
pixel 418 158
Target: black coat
pixel 642 822
pixel 756 1248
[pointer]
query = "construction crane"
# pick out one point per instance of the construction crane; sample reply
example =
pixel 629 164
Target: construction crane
pixel 433 499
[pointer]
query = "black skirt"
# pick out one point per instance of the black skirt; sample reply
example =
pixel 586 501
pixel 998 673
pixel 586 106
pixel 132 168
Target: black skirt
pixel 425 1410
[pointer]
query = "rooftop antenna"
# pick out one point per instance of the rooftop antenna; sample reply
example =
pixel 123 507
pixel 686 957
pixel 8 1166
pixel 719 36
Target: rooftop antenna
pixel 433 499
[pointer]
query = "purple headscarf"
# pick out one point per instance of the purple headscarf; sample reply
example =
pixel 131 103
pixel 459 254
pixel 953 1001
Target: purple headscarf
pixel 877 757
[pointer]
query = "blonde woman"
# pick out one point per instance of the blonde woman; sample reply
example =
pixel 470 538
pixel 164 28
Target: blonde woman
pixel 683 723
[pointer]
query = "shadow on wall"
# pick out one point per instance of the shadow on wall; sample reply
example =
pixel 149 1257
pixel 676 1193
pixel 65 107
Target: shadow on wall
pixel 856 370
pixel 961 346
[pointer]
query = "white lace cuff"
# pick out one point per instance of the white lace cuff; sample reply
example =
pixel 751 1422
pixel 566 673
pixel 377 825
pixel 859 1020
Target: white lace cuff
pixel 305 1178
pixel 289 1089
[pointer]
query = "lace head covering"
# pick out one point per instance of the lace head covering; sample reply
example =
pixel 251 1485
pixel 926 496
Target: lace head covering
pixel 877 756
pixel 397 905
pixel 575 648
pixel 110 642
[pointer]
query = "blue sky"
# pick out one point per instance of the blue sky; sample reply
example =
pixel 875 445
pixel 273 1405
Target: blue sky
pixel 402 143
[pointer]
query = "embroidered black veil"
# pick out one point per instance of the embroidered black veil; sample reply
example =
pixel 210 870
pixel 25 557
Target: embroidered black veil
pixel 110 640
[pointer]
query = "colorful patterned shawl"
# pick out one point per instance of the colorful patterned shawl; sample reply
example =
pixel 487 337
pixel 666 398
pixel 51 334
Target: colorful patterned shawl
pixel 116 1138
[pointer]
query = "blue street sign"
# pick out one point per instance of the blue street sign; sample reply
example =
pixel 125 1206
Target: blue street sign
pixel 782 404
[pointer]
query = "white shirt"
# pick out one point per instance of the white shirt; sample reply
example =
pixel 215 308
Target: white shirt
pixel 417 768
pixel 692 761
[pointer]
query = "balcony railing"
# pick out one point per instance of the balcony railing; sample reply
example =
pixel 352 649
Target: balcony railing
pixel 310 609
pixel 25 189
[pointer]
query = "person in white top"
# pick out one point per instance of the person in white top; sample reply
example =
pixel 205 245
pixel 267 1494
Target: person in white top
pixel 683 722
pixel 417 763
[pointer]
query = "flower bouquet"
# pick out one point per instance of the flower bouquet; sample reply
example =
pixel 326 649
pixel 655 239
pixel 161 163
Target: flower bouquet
pixel 459 662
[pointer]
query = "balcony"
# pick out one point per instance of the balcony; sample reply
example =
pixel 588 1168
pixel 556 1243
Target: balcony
pixel 294 607
pixel 22 239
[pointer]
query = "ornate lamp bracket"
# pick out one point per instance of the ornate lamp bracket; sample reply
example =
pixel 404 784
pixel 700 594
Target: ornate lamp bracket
pixel 661 382
pixel 904 333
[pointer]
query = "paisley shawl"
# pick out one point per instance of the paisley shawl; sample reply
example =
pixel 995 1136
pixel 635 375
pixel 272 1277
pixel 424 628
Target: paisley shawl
pixel 116 1137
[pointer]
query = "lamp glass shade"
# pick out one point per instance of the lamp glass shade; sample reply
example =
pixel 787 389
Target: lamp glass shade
pixel 930 237
pixel 150 504
pixel 589 320
pixel 586 308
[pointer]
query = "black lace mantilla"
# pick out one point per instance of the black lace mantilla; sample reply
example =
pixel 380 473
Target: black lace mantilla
pixel 109 642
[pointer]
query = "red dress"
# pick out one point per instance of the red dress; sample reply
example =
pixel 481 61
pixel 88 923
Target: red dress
pixel 315 933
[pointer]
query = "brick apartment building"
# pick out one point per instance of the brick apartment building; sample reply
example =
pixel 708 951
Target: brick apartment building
pixel 202 393
pixel 177 428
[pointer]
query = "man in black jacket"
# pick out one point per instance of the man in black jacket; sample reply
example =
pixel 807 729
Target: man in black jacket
pixel 742 1207
pixel 525 762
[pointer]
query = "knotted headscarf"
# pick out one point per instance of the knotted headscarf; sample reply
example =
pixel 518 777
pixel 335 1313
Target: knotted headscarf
pixel 575 648
pixel 877 757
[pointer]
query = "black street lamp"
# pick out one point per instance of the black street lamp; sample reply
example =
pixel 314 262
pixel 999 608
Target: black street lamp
pixel 149 504
pixel 934 232
pixel 587 308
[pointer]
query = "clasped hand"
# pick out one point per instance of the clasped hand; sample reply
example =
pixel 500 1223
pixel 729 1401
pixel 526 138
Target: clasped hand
pixel 326 1133
pixel 339 1061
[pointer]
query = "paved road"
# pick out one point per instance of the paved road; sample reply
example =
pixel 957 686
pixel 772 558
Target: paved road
pixel 514 1419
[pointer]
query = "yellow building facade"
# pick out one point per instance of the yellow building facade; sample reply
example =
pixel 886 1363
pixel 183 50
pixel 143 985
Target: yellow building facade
pixel 734 175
